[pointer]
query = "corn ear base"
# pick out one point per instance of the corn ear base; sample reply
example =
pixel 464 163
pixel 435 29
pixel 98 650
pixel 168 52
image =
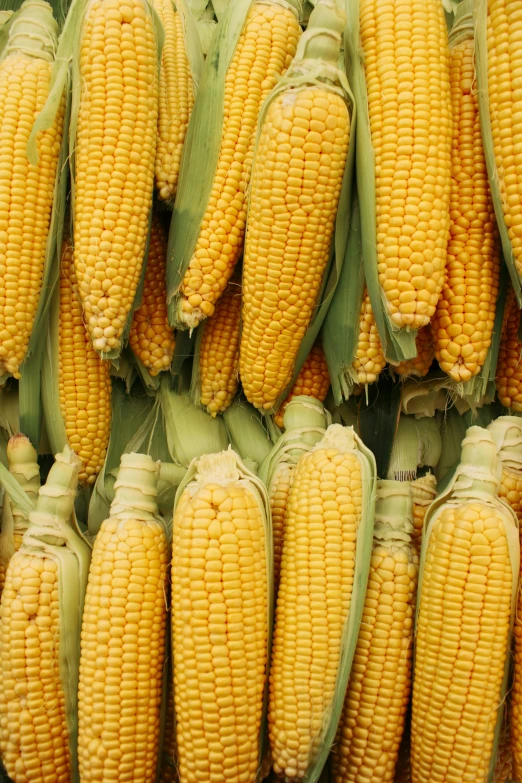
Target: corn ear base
pixel 398 345
pixel 480 12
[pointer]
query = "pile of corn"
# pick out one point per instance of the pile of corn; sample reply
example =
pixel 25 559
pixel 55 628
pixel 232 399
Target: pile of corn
pixel 260 388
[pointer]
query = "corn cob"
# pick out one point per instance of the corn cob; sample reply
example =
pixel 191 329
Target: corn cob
pixel 176 98
pixel 168 772
pixel 313 380
pixel 219 353
pixel 467 592
pixel 509 366
pixel 369 358
pixel 409 105
pixel 40 615
pixel 291 221
pixel 504 765
pixel 377 698
pixel 507 434
pixel 114 163
pixel 503 56
pixel 83 378
pixel 220 617
pixel 465 315
pixel 27 190
pixel 121 662
pixel 325 510
pixel 420 365
pixel 424 492
pixel 304 423
pixel 151 337
pixel 23 464
pixel 265 48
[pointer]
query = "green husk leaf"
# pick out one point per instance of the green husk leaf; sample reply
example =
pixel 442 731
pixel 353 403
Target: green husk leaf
pixel 379 412
pixel 364 545
pixel 198 7
pixel 341 325
pixel 201 151
pixel 247 434
pixel 405 456
pixel 192 41
pixel 425 397
pixel 398 345
pixel 206 31
pixel 190 431
pixel 481 69
pixel 185 345
pixel 15 492
pixel 256 487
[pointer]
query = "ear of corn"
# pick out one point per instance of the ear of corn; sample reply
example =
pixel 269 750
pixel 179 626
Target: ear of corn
pixel 496 28
pixel 117 128
pixel 351 341
pixel 43 600
pixel 221 616
pixel 215 375
pixel 420 365
pixel 507 434
pixel 180 71
pixel 465 315
pixel 305 423
pixel 23 465
pixel 208 226
pixel 424 492
pixel 121 663
pixel 324 571
pixel 467 594
pixel 377 697
pixel 509 366
pixel 28 187
pixel 151 337
pixel 313 380
pixel 288 250
pixel 76 383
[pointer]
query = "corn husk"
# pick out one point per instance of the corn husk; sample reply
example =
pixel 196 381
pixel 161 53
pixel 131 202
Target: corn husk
pixel 480 11
pixel 247 434
pixel 50 536
pixel 201 149
pixel 477 478
pixel 346 441
pixel 225 468
pixel 398 345
pixel 379 411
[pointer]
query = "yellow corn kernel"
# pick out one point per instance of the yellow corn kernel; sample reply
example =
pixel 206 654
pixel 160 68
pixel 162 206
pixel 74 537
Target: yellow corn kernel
pixel 168 772
pixel 320 528
pixel 503 57
pixel 84 379
pixel 424 492
pixel 34 739
pixel 219 353
pixel 313 380
pixel 27 191
pixel 115 149
pixel 219 616
pixel 122 652
pixel 405 49
pixel 176 98
pixel 286 253
pixel 465 315
pixel 504 764
pixel 509 366
pixel 279 492
pixel 151 337
pixel 265 48
pixel 378 693
pixel 369 357
pixel 461 638
pixel 420 365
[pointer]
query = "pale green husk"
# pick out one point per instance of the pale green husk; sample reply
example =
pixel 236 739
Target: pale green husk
pixel 477 478
pixel 480 13
pixel 226 467
pixel 50 535
pixel 398 345
pixel 247 434
pixel 337 436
